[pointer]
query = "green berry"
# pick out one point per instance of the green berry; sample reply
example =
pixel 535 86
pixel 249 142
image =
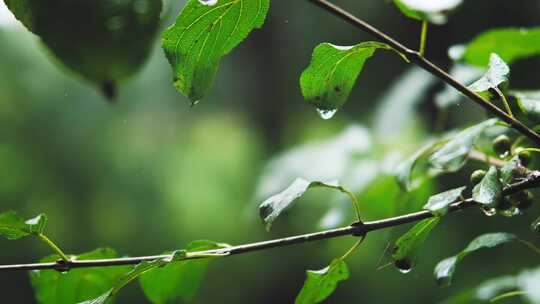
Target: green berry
pixel 502 144
pixel 524 157
pixel 477 176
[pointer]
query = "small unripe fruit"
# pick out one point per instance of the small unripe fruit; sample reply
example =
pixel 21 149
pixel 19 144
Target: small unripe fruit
pixel 502 144
pixel 477 176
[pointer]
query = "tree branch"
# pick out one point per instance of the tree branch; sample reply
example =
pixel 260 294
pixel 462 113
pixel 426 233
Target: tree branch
pixel 429 66
pixel 358 229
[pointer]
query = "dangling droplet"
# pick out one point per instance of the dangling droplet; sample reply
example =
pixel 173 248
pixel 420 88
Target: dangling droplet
pixel 403 265
pixel 326 114
pixel 194 103
pixel 489 211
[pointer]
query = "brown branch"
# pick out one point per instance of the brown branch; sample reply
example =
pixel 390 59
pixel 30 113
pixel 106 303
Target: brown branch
pixel 356 229
pixel 429 66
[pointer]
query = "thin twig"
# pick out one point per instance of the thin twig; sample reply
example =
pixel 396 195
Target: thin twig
pixel 427 65
pixel 358 229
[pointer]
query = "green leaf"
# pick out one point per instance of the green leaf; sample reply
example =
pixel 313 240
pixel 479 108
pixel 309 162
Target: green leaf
pixel 496 74
pixel 320 284
pixel 529 103
pixel 13 227
pixel 453 155
pixel 438 204
pixel 133 274
pixel 408 245
pixel 100 41
pixel 486 291
pixel 180 279
pixel 510 44
pixel 52 287
pixel 434 11
pixel 327 82
pixel 445 269
pixel 270 209
pixel 463 73
pixel 510 170
pixel 204 32
pixel 489 191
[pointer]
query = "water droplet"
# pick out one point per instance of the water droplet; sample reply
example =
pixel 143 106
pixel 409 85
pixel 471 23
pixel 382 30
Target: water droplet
pixel 489 211
pixel 403 265
pixel 510 212
pixel 504 155
pixel 194 103
pixel 326 114
pixel 208 2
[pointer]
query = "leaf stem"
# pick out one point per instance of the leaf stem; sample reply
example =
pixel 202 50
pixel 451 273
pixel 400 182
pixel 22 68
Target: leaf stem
pixel 353 248
pixel 531 246
pixel 504 101
pixel 507 295
pixel 54 247
pixel 423 37
pixel 354 201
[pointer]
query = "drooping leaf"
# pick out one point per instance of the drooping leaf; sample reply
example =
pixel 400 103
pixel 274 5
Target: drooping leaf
pixel 445 269
pixel 529 103
pixel 103 41
pixel 453 155
pixel 408 245
pixel 204 32
pixel 272 207
pixel 434 11
pixel 329 78
pixel 486 291
pixel 135 272
pixel 180 279
pixel 489 191
pixel 13 227
pixel 464 74
pixel 496 74
pixel 438 204
pixel 52 287
pixel 320 284
pixel 510 44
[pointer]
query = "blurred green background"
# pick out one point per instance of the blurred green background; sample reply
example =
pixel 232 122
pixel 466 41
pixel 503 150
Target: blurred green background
pixel 150 173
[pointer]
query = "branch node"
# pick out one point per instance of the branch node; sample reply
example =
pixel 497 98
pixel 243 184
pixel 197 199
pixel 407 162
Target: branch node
pixel 62 266
pixel 360 230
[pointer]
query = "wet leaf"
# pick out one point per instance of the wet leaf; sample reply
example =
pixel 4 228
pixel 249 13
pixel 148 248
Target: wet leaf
pixel 510 44
pixel 438 204
pixel 271 208
pixel 13 227
pixel 496 74
pixel 408 245
pixel 444 271
pixel 320 284
pixel 510 170
pixel 102 42
pixel 453 155
pixel 203 33
pixel 489 191
pixel 434 11
pixel 178 279
pixel 327 82
pixel 133 274
pixel 53 287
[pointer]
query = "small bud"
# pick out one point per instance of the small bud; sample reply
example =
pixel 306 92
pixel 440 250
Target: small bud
pixel 477 176
pixel 502 145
